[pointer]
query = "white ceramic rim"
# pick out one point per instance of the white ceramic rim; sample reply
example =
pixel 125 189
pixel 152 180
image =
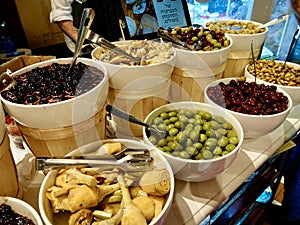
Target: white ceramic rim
pixel 7 200
pixel 236 35
pixel 168 61
pixel 193 161
pixel 60 61
pixel 208 52
pixel 278 85
pixel 168 203
pixel 214 83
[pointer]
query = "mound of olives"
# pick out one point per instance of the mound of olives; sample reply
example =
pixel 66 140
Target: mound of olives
pixel 51 84
pixel 235 27
pixel 194 134
pixel 203 39
pixel 275 72
pixel 248 97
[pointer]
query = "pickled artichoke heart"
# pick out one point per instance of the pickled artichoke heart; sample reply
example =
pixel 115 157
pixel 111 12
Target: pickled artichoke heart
pixel 146 205
pixel 156 182
pixel 81 217
pixel 131 214
pixel 67 197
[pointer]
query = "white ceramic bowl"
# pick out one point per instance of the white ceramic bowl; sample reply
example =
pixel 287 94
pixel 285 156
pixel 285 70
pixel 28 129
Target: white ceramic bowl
pixel 207 63
pixel 293 91
pixel 197 170
pixel 242 42
pixel 23 208
pixel 254 125
pixel 64 113
pixel 135 78
pixel 159 162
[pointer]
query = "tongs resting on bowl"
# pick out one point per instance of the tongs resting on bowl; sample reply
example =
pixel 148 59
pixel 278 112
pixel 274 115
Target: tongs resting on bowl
pixel 97 39
pixel 164 34
pixel 133 158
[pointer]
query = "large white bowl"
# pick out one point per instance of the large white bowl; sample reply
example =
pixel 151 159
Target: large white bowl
pixel 159 162
pixel 293 91
pixel 23 208
pixel 197 170
pixel 135 78
pixel 254 125
pixel 242 42
pixel 64 113
pixel 206 63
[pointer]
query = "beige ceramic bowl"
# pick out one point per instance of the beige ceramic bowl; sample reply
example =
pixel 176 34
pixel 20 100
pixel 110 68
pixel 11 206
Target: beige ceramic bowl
pixel 23 208
pixel 63 113
pixel 197 170
pixel 293 91
pixel 254 125
pixel 159 162
pixel 137 78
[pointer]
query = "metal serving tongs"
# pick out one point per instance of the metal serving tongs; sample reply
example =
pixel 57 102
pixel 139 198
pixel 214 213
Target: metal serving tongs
pixel 87 18
pixel 97 39
pixel 278 19
pixel 164 34
pixel 129 158
pixel 125 116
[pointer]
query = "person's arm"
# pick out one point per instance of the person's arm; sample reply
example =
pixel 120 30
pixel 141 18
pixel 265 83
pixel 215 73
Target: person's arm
pixel 61 14
pixel 68 28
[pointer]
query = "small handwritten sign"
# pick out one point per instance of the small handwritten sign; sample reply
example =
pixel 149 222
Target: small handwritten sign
pixel 170 13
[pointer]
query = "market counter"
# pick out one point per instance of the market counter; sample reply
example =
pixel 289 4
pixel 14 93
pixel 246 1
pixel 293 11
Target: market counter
pixel 193 202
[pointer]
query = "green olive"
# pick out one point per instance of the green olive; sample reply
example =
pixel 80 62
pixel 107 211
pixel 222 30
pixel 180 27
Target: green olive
pixel 198 145
pixel 181 137
pixel 157 120
pixel 172 114
pixel 202 138
pixel 173 119
pixel 230 147
pixel 173 131
pixel 164 115
pixel 207 154
pixel 162 126
pixel 194 135
pixel 152 139
pixel 184 155
pixel 223 141
pixel 191 150
pixel 162 142
pixel 233 140
pixel 217 151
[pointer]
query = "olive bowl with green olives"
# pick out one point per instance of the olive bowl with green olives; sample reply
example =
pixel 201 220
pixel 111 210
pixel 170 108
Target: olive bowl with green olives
pixel 286 77
pixel 242 33
pixel 260 108
pixel 201 141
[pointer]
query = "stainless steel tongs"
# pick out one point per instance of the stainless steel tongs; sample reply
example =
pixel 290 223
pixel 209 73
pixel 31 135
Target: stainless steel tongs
pixel 133 158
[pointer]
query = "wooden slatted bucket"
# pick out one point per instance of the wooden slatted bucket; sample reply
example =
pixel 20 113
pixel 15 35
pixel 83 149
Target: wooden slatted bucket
pixel 139 104
pixel 194 70
pixel 9 182
pixel 62 140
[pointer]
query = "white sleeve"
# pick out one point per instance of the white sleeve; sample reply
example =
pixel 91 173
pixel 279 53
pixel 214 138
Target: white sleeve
pixel 61 10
